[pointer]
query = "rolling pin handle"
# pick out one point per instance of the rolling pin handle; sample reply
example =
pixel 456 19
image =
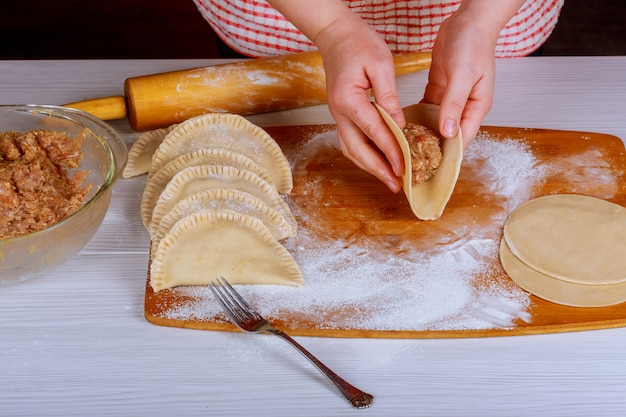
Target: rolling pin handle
pixel 106 108
pixel 411 62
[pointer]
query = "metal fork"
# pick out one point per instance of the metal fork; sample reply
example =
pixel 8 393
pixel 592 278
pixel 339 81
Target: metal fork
pixel 248 320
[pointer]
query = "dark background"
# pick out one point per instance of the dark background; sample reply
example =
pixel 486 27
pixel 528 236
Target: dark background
pixel 110 29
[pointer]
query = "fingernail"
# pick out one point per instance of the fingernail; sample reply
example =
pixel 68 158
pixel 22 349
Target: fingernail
pixel 449 128
pixel 399 118
pixel 393 184
pixel 397 169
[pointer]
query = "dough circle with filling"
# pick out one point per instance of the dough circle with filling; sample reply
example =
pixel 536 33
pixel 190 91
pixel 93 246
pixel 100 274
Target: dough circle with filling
pixel 428 199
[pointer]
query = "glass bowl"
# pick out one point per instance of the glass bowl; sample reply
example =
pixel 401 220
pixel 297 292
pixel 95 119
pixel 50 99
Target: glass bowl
pixel 104 156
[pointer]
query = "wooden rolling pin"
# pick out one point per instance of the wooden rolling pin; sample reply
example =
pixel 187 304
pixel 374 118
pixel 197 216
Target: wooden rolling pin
pixel 246 87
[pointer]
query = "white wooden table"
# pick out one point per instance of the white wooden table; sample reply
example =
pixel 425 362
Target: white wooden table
pixel 75 342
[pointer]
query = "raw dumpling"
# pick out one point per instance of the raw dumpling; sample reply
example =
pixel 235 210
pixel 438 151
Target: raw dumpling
pixel 428 200
pixel 140 154
pixel 229 131
pixel 205 177
pixel 223 199
pixel 206 245
pixel 202 156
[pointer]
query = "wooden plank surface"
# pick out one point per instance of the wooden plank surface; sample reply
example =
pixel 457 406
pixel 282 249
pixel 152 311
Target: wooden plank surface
pixel 358 205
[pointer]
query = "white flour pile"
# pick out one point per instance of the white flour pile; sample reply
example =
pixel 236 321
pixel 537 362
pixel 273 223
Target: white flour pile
pixel 363 284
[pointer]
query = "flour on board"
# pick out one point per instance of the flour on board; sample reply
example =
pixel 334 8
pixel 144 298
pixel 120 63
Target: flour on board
pixel 391 288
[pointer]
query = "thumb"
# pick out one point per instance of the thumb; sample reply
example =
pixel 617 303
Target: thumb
pixel 385 94
pixel 464 108
pixel 451 108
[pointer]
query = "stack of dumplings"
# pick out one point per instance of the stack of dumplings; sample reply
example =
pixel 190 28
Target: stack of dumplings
pixel 213 205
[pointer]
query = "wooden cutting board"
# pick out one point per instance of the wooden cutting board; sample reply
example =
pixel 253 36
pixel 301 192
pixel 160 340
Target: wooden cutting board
pixel 577 162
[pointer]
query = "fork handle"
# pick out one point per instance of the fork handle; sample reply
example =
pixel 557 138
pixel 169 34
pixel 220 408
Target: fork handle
pixel 357 398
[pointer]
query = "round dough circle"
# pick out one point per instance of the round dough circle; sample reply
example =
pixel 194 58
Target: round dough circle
pixel 556 290
pixel 574 238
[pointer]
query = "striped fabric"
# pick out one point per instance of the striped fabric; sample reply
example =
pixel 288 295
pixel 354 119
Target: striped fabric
pixel 256 29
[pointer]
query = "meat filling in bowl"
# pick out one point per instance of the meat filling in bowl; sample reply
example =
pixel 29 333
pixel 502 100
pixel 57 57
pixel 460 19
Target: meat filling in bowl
pixel 425 152
pixel 35 188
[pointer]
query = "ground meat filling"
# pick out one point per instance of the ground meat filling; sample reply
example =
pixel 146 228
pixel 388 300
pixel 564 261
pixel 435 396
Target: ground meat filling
pixel 35 189
pixel 425 152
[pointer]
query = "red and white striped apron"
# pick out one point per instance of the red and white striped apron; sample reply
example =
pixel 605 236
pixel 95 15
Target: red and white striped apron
pixel 254 28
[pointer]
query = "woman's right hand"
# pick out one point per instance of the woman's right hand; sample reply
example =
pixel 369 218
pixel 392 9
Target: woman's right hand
pixel 359 65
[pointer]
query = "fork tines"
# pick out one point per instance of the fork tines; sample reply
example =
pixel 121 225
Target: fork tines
pixel 234 305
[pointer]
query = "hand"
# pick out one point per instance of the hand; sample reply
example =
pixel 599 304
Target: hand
pixel 462 73
pixel 461 77
pixel 356 59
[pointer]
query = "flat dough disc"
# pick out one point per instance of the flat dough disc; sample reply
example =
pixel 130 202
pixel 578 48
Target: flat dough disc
pixel 202 156
pixel 140 154
pixel 207 245
pixel 575 238
pixel 223 199
pixel 556 290
pixel 228 131
pixel 205 177
pixel 428 200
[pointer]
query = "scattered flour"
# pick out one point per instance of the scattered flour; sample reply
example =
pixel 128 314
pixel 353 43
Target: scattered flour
pixel 508 166
pixel 576 169
pixel 367 284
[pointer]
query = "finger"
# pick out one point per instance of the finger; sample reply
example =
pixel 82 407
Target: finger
pixel 478 105
pixel 371 123
pixel 384 138
pixel 437 80
pixel 366 126
pixel 465 103
pixel 360 150
pixel 386 94
pixel 452 105
pixel 357 111
pixel 471 121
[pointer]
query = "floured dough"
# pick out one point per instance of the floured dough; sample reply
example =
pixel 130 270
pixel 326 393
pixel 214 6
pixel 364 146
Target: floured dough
pixel 206 245
pixel 428 199
pixel 205 177
pixel 575 238
pixel 213 207
pixel 229 131
pixel 140 154
pixel 223 199
pixel 202 156
pixel 556 290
